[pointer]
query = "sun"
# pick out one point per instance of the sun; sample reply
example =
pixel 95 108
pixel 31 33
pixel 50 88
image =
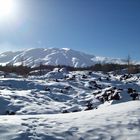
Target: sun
pixel 7 9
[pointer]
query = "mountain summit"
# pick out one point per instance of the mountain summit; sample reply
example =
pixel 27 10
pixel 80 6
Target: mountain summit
pixel 53 56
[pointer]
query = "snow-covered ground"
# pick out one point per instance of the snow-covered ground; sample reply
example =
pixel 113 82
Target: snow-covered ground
pixel 116 122
pixel 96 106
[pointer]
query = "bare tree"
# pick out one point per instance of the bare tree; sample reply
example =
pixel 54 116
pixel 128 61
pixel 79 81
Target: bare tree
pixel 129 64
pixel 128 60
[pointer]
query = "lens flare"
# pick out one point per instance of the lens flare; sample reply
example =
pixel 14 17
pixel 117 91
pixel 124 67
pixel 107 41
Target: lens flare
pixel 7 9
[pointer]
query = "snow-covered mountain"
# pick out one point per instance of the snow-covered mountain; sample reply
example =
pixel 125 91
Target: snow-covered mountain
pixel 53 56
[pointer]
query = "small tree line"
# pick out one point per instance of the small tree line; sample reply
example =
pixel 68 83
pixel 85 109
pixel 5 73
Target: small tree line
pixel 25 70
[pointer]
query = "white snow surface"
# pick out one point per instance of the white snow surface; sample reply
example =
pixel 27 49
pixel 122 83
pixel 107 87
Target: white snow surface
pixel 63 105
pixel 116 122
pixel 53 56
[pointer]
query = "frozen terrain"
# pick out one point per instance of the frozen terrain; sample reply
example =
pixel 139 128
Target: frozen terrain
pixel 53 56
pixel 79 105
pixel 116 122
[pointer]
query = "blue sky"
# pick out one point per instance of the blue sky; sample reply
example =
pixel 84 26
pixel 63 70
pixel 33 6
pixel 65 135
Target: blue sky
pixel 100 27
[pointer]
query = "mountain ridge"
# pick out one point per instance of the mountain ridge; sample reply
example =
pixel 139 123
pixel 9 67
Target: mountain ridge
pixel 53 56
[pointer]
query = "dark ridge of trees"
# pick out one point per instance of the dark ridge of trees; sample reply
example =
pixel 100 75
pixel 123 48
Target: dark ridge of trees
pixel 24 70
pixel 21 70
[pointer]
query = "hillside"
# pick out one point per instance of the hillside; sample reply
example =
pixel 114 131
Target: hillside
pixel 63 92
pixel 53 56
pixel 63 105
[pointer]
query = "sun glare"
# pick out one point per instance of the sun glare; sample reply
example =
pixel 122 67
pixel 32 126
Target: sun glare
pixel 7 9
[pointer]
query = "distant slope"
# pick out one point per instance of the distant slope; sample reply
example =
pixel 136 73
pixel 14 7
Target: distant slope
pixel 53 56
